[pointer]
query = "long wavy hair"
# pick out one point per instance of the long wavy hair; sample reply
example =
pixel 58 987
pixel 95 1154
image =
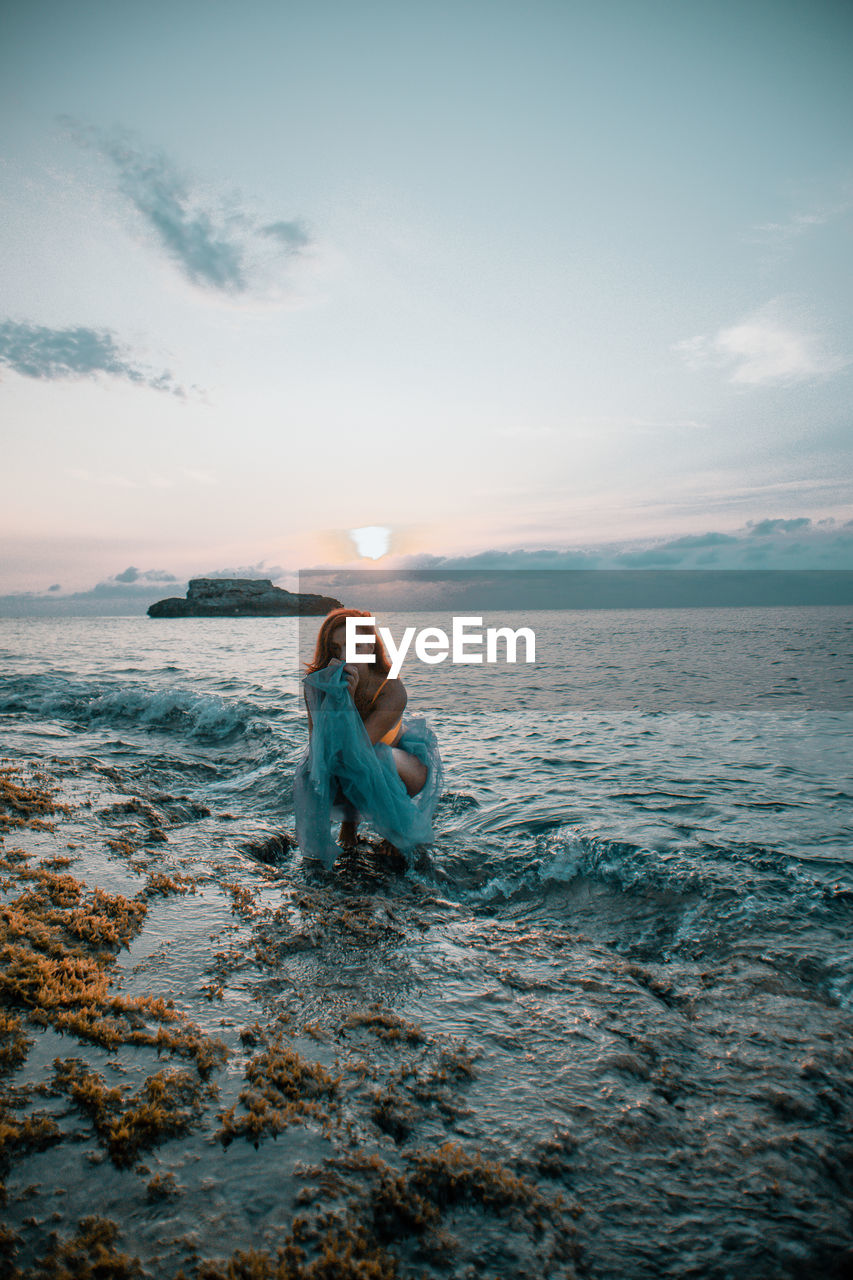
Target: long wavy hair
pixel 323 649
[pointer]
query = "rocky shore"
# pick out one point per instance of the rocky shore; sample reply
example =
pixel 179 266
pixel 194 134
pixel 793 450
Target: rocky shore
pixel 240 598
pixel 201 1095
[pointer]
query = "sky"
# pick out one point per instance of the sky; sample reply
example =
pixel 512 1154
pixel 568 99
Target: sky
pixel 558 280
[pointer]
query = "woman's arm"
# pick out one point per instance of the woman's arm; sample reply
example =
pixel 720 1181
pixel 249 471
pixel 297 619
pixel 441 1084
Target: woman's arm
pixel 386 711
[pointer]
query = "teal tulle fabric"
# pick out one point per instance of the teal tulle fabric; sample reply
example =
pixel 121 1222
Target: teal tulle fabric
pixel 340 762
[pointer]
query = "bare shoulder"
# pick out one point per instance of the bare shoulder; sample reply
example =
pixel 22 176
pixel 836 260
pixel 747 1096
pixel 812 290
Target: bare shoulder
pixel 393 694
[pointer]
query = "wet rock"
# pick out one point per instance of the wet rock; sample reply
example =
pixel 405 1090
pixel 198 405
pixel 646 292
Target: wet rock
pixel 271 850
pixel 240 598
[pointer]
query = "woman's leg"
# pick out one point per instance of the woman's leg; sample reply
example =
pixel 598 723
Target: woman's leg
pixel 414 774
pixel 348 833
pixel 412 770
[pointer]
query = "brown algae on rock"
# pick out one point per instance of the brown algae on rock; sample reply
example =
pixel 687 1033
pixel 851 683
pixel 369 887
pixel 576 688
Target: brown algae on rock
pixel 24 804
pixel 160 884
pixel 58 944
pixel 90 1254
pixel 385 1024
pixel 283 1089
pixel 167 1105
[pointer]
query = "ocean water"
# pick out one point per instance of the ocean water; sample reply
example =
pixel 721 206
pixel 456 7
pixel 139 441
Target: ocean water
pixel 636 914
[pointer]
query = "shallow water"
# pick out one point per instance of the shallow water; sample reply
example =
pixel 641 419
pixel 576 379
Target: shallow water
pixel 635 919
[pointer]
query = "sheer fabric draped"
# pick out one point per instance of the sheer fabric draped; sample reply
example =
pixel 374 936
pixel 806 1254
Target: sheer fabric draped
pixel 341 758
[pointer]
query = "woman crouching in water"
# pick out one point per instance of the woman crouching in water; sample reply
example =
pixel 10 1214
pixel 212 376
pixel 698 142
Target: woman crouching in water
pixel 379 700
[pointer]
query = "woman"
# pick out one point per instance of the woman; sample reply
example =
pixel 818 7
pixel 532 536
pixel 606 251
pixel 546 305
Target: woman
pixel 362 759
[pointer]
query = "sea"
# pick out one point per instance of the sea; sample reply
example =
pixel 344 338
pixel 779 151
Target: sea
pixel 636 917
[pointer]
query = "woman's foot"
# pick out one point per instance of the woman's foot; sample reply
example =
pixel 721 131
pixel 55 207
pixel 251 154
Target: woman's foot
pixel 347 836
pixel 390 854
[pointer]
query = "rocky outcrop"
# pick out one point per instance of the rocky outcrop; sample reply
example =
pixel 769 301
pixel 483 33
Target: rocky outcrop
pixel 240 598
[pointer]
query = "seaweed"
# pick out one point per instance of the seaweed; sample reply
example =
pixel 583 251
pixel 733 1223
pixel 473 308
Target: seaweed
pixel 158 883
pixel 411 1203
pixel 386 1025
pixel 283 1089
pixel 22 804
pixel 90 1254
pixel 14 1044
pixel 163 1187
pixel 167 1104
pixel 344 1252
pixel 393 1114
pixel 33 1133
pixel 449 1174
pixel 9 1241
pixel 120 844
pixel 242 899
pixel 50 970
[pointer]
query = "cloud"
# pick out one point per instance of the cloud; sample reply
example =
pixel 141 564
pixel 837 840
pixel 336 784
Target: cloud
pixel 35 351
pixel 128 592
pixel 693 541
pixel 216 241
pixel 798 224
pixel 765 527
pixel 764 348
pixel 291 234
pixel 141 578
pixel 208 254
pixel 795 543
pixel 260 570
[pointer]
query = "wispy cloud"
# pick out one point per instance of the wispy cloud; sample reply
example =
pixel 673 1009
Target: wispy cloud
pixel 35 351
pixel 764 348
pixel 217 242
pixel 818 214
pixel 291 234
pixel 797 225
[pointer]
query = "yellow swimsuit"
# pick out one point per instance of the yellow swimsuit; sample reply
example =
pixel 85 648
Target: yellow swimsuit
pixel 392 733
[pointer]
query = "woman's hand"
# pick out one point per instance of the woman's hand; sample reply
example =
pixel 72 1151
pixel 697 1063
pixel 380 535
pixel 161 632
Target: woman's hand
pixel 352 672
pixel 351 675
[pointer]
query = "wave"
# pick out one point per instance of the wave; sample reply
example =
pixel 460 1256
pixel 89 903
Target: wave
pixel 565 856
pixel 170 709
pixel 689 905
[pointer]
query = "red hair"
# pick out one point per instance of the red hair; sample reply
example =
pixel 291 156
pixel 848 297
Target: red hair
pixel 323 649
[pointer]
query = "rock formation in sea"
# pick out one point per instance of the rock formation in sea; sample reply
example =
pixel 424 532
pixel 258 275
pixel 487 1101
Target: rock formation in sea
pixel 240 598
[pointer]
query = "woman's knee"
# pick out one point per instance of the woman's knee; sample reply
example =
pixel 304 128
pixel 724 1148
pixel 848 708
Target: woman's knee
pixel 419 779
pixel 412 771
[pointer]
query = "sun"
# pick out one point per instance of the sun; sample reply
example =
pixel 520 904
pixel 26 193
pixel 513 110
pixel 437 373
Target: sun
pixel 372 541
